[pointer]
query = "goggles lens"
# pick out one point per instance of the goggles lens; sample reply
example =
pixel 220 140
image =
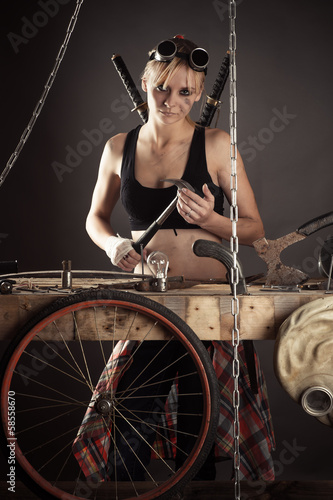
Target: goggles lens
pixel 199 59
pixel 167 50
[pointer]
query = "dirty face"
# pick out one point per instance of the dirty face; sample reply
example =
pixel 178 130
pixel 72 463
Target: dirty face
pixel 172 102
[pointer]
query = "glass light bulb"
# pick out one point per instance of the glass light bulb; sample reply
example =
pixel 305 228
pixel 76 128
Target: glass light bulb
pixel 158 264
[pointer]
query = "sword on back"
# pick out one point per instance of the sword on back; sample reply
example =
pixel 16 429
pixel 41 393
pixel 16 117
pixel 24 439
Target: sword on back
pixel 140 106
pixel 212 101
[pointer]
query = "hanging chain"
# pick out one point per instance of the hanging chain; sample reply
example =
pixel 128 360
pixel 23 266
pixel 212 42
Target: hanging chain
pixel 233 205
pixel 42 99
pixel 234 241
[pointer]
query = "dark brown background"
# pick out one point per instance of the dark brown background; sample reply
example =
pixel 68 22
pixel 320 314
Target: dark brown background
pixel 284 65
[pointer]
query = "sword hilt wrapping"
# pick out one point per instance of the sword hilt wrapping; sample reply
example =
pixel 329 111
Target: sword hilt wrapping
pixel 140 105
pixel 213 100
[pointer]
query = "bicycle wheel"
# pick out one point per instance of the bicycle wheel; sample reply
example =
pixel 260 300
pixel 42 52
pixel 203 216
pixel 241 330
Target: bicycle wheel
pixel 79 377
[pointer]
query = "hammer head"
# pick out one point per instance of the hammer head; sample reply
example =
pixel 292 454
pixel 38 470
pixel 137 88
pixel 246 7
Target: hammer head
pixel 277 272
pixel 180 183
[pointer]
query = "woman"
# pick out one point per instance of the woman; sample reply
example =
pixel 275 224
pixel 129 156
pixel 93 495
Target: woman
pixel 134 166
pixel 162 151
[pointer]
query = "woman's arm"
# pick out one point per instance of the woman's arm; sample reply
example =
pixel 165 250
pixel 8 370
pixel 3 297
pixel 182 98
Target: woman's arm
pixel 105 196
pixel 200 211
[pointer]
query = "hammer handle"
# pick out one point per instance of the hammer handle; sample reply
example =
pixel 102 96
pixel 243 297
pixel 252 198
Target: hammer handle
pixel 146 236
pixel 314 225
pixel 154 227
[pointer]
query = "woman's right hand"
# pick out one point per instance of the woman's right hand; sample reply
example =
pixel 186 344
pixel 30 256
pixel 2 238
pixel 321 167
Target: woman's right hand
pixel 121 253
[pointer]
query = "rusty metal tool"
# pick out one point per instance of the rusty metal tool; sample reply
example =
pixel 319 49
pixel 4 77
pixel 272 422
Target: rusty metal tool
pixel 155 226
pixel 269 251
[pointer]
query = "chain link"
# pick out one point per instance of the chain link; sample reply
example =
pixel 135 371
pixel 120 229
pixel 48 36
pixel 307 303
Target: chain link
pixel 43 97
pixel 234 275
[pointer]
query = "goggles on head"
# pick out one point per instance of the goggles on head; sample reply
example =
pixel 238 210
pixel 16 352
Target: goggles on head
pixel 166 51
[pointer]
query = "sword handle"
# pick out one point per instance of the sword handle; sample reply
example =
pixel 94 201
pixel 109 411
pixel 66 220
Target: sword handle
pixel 140 105
pixel 212 101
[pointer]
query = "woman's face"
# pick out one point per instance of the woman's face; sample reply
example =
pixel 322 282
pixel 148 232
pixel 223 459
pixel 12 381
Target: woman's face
pixel 174 102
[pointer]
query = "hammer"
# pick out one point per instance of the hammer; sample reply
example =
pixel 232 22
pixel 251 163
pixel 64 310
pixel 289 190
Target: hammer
pixel 269 251
pixel 155 226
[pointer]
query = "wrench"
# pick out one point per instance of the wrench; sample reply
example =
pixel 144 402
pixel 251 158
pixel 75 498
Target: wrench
pixel 155 226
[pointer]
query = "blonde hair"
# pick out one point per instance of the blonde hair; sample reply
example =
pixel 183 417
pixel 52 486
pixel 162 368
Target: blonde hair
pixel 160 73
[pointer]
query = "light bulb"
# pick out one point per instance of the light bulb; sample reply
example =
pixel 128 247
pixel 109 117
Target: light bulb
pixel 158 264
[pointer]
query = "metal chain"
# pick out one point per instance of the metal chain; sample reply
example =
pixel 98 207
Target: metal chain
pixel 233 205
pixel 42 99
pixel 234 242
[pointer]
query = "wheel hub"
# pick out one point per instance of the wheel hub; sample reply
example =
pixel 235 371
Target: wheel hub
pixel 104 403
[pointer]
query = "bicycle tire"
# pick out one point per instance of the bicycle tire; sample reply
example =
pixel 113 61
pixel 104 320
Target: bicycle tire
pixel 42 343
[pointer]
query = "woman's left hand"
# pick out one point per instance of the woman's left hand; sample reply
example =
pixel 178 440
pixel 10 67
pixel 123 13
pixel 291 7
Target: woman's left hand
pixel 193 208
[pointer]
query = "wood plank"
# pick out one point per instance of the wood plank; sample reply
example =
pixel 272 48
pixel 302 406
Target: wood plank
pixel 257 318
pixel 17 309
pixel 205 308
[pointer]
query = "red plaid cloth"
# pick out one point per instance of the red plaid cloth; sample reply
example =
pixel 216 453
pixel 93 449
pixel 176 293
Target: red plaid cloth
pixel 92 444
pixel 256 430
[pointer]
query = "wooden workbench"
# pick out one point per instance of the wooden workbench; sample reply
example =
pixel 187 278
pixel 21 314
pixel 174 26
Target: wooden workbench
pixel 206 308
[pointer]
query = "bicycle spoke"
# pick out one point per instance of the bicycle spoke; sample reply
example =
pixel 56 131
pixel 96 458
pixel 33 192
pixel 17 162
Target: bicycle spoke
pixel 54 455
pixel 135 351
pixel 48 387
pixel 99 338
pixel 133 451
pixel 145 384
pixel 78 370
pixel 32 450
pixel 113 338
pixel 150 362
pixel 44 422
pixel 87 419
pixel 54 367
pixel 44 398
pixel 82 351
pixel 157 426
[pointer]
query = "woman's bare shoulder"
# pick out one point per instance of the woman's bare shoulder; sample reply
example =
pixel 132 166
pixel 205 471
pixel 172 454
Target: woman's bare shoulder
pixel 216 137
pixel 115 145
pixel 217 148
pixel 111 159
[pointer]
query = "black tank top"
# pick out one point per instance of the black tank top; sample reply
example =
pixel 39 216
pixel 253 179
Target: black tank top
pixel 144 204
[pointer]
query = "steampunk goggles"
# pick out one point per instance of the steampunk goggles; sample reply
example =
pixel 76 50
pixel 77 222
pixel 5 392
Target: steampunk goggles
pixel 166 51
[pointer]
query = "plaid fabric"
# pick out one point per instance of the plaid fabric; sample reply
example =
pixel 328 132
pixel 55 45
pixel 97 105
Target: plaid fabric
pixel 257 440
pixel 256 429
pixel 167 427
pixel 92 443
